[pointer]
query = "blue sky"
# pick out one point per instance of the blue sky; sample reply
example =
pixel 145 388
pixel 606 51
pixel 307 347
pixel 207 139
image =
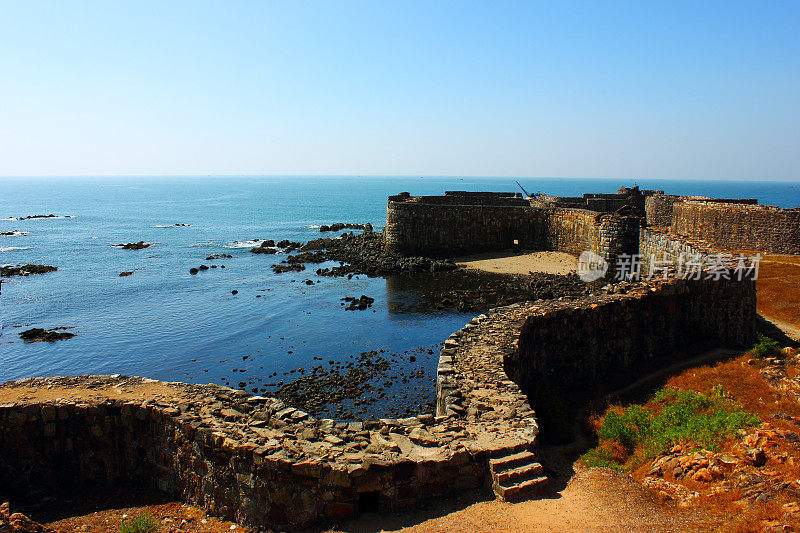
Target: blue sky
pixel 689 90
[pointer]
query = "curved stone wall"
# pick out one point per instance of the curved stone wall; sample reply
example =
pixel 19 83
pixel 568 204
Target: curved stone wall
pixel 572 344
pixel 246 458
pixel 418 228
pixel 739 226
pixel 658 209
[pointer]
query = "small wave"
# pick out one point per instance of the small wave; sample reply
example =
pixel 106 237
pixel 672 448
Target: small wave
pixel 12 248
pixel 201 244
pixel 243 244
pixel 10 219
pixel 172 226
pixel 14 233
pixel 313 226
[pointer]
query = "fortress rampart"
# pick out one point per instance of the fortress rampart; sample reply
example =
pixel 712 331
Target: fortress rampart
pixel 246 458
pixel 659 206
pixel 570 345
pixel 260 462
pixel 739 226
pixel 418 226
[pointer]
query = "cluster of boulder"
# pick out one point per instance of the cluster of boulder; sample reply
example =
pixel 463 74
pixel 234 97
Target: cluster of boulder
pixel 342 225
pixel 194 270
pixel 45 335
pixel 357 304
pixel 133 245
pixel 25 270
pixel 365 254
pixel 271 247
pixel 31 217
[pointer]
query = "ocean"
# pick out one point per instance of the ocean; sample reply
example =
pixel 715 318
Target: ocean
pixel 163 323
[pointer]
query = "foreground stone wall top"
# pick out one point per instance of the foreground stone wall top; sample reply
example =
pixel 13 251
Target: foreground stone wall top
pixel 246 458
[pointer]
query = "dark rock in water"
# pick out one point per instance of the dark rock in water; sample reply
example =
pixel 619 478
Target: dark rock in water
pixel 51 215
pixel 193 271
pixel 267 243
pixel 263 250
pixel 365 254
pixel 134 245
pixel 358 304
pixel 287 268
pixel 284 243
pixel 43 335
pixel 218 256
pixel 123 274
pixel 203 267
pixel 25 270
pixel 234 291
pixel 342 225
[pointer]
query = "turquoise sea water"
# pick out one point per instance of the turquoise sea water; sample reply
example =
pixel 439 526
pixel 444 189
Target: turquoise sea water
pixel 164 323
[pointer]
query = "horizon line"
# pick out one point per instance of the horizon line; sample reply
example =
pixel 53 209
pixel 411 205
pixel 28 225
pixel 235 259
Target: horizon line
pixel 417 176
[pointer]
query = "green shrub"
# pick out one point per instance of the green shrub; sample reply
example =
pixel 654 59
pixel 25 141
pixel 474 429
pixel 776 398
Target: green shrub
pixel 766 347
pixel 672 416
pixel 141 523
pixel 599 457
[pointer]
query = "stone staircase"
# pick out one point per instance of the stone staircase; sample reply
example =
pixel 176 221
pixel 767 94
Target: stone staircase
pixel 516 476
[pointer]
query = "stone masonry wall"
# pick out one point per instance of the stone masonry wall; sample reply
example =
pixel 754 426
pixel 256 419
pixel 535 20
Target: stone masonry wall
pixel 245 458
pixel 574 343
pixel 657 243
pixel 658 209
pixel 417 228
pixel 739 226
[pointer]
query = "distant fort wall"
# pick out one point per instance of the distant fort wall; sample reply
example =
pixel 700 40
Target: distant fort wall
pixel 732 226
pixel 445 226
pixel 659 206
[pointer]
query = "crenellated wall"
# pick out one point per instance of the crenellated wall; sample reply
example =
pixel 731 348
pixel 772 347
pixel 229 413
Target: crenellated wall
pixel 739 226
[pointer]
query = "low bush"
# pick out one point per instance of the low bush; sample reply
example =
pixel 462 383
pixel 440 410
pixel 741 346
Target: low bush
pixel 766 347
pixel 629 436
pixel 141 523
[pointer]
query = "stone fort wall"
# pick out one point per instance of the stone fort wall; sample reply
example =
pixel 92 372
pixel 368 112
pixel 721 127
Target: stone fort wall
pixel 739 226
pixel 416 227
pixel 247 458
pixel 576 343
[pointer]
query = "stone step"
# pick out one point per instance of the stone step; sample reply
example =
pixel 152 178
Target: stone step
pixel 521 490
pixel 513 460
pixel 518 474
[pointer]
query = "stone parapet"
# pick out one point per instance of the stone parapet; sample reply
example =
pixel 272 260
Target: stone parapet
pixel 739 226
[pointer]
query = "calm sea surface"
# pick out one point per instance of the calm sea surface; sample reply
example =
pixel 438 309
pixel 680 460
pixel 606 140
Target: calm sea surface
pixel 164 323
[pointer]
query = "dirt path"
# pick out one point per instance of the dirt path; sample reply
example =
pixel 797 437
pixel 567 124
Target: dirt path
pixel 595 500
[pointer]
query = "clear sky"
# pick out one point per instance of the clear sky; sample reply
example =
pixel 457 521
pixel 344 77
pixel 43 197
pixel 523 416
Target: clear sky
pixel 577 89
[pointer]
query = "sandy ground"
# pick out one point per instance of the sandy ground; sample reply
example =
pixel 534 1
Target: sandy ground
pixel 136 391
pixel 778 287
pixel 521 263
pixel 594 500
